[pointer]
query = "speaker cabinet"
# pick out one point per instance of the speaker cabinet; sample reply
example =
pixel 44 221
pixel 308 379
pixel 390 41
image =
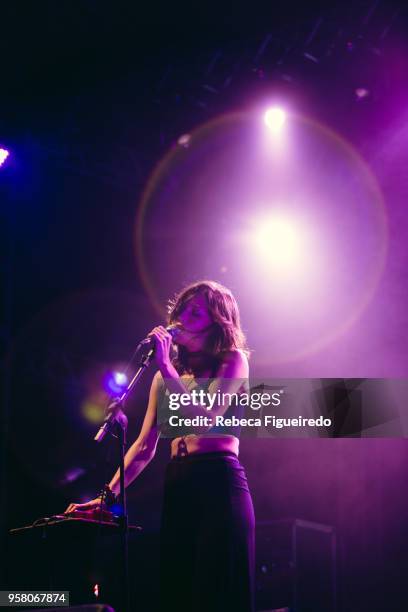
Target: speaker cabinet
pixel 296 566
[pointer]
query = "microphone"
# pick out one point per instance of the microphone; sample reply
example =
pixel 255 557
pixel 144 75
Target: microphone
pixel 173 330
pixel 114 413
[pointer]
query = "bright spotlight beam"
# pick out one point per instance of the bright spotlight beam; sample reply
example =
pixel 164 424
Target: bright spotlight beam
pixel 276 240
pixel 275 118
pixel 3 155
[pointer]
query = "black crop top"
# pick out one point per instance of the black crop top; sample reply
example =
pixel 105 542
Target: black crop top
pixel 235 409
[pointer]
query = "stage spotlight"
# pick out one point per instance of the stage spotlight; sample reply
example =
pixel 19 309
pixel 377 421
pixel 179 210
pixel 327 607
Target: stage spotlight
pixel 276 241
pixel 115 382
pixel 120 378
pixel 275 118
pixel 3 155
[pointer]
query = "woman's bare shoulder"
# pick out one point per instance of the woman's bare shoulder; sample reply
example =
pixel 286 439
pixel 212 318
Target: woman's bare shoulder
pixel 234 362
pixel 235 355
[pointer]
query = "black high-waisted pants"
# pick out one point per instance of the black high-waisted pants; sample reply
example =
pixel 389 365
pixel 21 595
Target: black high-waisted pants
pixel 207 535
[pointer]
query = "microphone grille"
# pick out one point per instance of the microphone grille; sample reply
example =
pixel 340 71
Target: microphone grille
pixel 173 330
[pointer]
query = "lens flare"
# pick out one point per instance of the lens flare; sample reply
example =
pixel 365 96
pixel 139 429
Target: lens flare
pixel 318 258
pixel 275 118
pixel 275 239
pixel 92 410
pixel 115 382
pixel 3 156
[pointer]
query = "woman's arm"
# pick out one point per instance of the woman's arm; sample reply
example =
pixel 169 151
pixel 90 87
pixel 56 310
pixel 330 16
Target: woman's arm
pixel 144 447
pixel 140 453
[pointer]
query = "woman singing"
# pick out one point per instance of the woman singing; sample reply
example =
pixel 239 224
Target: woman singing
pixel 207 526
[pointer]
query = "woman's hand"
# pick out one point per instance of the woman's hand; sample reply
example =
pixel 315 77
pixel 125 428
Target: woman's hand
pixel 162 343
pixel 94 504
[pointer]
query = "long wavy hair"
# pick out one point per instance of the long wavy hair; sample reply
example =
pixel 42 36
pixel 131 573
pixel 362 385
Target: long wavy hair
pixel 226 334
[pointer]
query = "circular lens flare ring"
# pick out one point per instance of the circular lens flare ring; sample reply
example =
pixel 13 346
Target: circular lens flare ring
pixel 366 176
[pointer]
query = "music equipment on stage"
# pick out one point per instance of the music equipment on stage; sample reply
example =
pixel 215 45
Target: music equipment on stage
pixel 296 566
pixel 68 553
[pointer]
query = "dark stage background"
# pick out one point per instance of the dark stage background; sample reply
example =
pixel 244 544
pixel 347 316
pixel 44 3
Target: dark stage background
pixel 93 95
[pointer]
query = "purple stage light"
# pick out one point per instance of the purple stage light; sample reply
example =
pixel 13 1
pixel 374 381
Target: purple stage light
pixel 276 241
pixel 3 155
pixel 302 225
pixel 115 382
pixel 120 378
pixel 275 118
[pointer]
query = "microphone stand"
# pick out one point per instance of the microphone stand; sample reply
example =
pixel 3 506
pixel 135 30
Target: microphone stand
pixel 115 423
